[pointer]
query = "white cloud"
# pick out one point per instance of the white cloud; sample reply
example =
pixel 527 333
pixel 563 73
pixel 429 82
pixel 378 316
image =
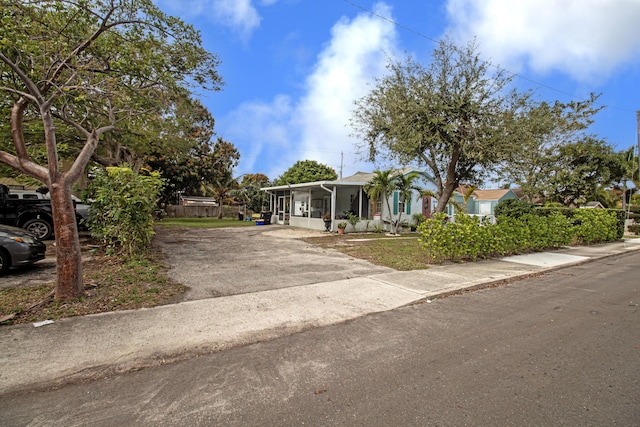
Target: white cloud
pixel 586 39
pixel 264 129
pixel 315 127
pixel 356 54
pixel 239 15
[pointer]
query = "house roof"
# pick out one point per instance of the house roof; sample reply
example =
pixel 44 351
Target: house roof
pixel 490 194
pixel 518 191
pixel 483 195
pixel 593 205
pixel 357 179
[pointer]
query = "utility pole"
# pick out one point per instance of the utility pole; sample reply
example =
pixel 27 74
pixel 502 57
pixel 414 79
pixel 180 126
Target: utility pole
pixel 342 153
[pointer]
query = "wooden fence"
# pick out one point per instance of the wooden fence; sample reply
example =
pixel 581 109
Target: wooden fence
pixel 178 211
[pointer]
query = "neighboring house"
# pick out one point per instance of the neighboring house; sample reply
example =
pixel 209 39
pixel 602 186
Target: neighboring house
pixel 592 205
pixel 303 205
pixel 479 203
pixel 197 201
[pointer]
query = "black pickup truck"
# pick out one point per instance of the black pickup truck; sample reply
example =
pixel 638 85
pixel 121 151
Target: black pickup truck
pixel 34 215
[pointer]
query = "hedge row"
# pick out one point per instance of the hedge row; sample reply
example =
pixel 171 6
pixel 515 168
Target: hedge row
pixel 517 208
pixel 468 238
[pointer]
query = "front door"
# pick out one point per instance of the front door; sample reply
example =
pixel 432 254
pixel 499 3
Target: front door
pixel 283 209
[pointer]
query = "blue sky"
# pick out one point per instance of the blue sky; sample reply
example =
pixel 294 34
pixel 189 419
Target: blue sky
pixel 292 68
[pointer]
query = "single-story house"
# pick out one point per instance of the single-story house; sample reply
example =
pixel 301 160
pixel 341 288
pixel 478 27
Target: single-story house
pixel 479 203
pixel 592 205
pixel 304 205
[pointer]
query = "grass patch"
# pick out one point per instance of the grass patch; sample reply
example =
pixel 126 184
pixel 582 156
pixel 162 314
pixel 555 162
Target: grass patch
pixel 204 222
pixel 111 284
pixel 400 253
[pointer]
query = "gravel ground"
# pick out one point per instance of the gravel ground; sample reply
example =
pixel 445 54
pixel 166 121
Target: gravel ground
pixel 228 261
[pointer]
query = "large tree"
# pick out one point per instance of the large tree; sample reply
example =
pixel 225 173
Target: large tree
pixel 185 155
pixel 541 131
pixel 306 171
pixel 219 181
pixel 582 168
pixel 449 116
pixel 94 66
pixel 255 199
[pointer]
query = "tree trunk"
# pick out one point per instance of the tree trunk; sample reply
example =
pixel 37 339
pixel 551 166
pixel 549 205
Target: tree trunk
pixel 394 228
pixel 220 207
pixel 447 192
pixel 451 183
pixel 68 254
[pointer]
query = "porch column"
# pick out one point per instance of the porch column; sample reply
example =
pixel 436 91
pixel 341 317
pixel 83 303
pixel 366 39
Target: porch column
pixel 333 207
pixel 309 209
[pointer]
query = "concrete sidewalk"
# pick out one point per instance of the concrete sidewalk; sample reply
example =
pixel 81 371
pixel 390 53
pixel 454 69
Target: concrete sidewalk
pixel 93 346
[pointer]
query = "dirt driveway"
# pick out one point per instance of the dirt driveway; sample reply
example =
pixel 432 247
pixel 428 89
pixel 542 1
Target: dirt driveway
pixel 228 261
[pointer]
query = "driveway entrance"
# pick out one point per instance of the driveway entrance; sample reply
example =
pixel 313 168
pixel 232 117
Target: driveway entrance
pixel 228 261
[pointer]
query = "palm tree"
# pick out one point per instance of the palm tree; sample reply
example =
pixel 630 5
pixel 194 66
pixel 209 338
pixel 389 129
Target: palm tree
pixel 379 188
pixel 222 188
pixel 383 184
pixel 405 186
pixel 630 171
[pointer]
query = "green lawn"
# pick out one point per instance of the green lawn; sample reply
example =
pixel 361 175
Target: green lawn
pixel 401 253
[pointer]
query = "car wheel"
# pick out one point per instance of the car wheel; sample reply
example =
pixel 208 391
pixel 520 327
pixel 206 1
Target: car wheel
pixel 5 261
pixel 38 227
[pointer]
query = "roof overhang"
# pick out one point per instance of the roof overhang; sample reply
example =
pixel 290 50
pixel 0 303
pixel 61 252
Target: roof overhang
pixel 316 184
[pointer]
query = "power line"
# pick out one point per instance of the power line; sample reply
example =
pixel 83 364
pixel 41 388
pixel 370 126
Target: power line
pixel 419 34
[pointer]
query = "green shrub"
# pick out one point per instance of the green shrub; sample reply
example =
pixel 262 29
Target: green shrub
pixel 513 208
pixel 510 235
pixel 122 208
pixel 635 229
pixel 418 219
pixel 596 225
pixel 436 237
pixel 621 217
pixel 533 232
pixel 353 219
pixel 550 210
pixel 468 238
pixel 560 230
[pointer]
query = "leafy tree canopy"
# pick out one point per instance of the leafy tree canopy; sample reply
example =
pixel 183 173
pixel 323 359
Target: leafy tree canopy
pixel 250 185
pixel 554 155
pixel 306 171
pixel 450 116
pixel 581 168
pixel 218 180
pixel 72 72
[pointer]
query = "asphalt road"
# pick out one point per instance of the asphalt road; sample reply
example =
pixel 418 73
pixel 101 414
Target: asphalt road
pixel 560 349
